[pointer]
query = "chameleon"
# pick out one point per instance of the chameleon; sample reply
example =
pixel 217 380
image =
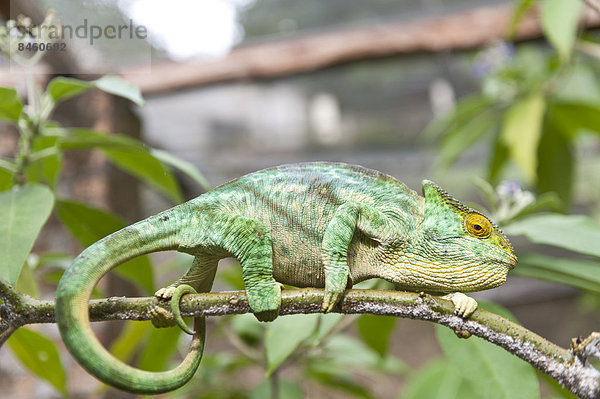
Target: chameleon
pixel 319 224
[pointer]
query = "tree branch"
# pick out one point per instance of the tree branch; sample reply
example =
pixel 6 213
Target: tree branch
pixel 463 30
pixel 567 366
pixel 593 4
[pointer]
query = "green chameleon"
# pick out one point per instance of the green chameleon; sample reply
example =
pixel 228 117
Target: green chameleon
pixel 308 225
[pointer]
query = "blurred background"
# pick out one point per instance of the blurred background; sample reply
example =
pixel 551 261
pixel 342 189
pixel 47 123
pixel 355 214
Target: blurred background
pixel 496 101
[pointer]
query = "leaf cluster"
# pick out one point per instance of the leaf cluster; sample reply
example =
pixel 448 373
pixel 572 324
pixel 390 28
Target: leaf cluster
pixel 536 107
pixel 29 194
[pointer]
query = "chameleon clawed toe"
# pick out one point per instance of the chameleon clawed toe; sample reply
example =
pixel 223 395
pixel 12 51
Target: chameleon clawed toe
pixel 464 305
pixel 163 318
pixel 160 317
pixel 165 293
pixel 330 300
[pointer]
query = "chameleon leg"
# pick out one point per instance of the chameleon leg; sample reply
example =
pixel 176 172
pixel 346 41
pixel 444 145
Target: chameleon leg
pixel 249 241
pixel 199 278
pixel 334 251
pixel 348 218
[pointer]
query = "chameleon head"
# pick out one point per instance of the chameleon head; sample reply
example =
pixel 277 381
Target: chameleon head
pixel 455 248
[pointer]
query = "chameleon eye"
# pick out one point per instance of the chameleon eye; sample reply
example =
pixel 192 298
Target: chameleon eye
pixel 478 225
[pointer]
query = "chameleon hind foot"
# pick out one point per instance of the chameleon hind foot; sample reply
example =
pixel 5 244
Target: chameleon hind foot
pixel 163 318
pixel 464 306
pixel 160 317
pixel 165 293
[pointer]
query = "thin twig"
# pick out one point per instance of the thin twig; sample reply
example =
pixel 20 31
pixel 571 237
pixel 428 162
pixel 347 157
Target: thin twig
pixel 568 367
pixel 593 4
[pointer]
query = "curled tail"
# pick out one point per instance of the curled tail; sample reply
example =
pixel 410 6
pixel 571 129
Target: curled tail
pixel 157 233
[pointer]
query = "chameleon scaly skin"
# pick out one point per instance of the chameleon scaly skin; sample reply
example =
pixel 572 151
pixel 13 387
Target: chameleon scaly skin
pixel 307 225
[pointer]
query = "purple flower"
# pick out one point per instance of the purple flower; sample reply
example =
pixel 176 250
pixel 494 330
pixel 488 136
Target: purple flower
pixel 509 188
pixel 492 58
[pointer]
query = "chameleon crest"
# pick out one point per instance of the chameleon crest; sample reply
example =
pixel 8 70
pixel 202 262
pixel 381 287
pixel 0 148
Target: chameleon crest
pixel 439 202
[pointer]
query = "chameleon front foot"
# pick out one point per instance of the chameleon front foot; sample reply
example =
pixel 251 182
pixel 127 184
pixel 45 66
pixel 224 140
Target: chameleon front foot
pixel 464 306
pixel 265 301
pixel 331 299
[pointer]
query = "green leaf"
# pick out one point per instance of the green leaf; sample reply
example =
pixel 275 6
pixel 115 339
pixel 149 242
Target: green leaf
pixel 184 166
pixel 141 164
pixel 461 114
pixel 549 202
pixel 46 168
pixel 554 386
pixel 530 69
pixel 62 88
pixel 54 259
pixel 556 164
pixel 248 328
pixel 23 211
pixel 27 283
pixel 88 224
pixel 39 354
pixel 10 104
pixel 497 161
pixel 6 179
pixel 133 335
pixel 576 233
pixel 287 390
pixel 83 139
pixel 491 371
pixel 337 377
pixel 393 365
pixel 115 85
pixel 580 274
pixel 161 345
pixel 128 154
pixel 580 85
pixel 326 324
pixel 521 132
pixel 559 23
pixel 574 117
pixel 284 335
pixel 219 365
pixel 231 276
pixel 461 138
pixel 520 8
pixel 489 193
pixel 498 309
pixel 349 352
pixel 438 379
pixel 375 331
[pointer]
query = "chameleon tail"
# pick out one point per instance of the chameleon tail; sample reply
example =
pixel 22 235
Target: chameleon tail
pixel 157 233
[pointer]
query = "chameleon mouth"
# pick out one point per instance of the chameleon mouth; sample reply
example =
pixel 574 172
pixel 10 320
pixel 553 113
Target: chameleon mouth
pixel 511 263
